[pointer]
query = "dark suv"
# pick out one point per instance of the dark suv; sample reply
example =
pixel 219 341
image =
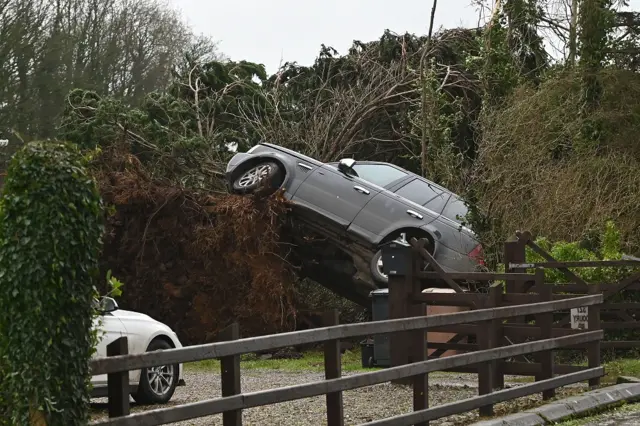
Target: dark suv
pixel 362 205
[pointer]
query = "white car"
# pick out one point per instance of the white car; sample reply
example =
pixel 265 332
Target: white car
pixel 154 385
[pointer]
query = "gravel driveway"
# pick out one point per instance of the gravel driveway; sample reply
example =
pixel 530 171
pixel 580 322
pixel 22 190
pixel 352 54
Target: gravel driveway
pixel 360 405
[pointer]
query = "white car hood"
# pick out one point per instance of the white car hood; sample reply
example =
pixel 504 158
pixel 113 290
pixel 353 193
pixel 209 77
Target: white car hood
pixel 130 317
pixel 123 313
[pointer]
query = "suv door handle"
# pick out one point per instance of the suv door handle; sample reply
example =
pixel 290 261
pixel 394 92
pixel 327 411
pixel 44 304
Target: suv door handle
pixel 361 189
pixel 414 214
pixel 305 166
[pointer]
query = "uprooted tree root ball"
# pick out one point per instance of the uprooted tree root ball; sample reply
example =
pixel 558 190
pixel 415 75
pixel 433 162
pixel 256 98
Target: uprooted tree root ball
pixel 196 261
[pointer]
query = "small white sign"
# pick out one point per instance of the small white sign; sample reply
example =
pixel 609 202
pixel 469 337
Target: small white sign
pixel 4 142
pixel 580 318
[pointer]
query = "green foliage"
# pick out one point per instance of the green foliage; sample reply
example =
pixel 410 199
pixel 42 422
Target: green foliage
pixel 523 38
pixel 440 113
pixel 182 132
pixel 562 251
pixel 114 284
pixel 89 119
pixel 51 227
pixel 596 19
pixel 606 246
pixel 533 173
pixel 498 71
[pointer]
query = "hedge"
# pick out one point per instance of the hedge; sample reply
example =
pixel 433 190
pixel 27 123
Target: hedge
pixel 51 228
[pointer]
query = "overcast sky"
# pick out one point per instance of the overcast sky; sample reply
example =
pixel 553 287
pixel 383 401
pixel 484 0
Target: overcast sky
pixel 268 31
pixel 274 31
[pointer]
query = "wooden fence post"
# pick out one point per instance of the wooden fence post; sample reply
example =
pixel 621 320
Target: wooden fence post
pixel 514 252
pixel 333 370
pixel 118 383
pixel 593 323
pixel 418 339
pixel 486 372
pixel 495 300
pixel 545 323
pixel 400 305
pixel 230 376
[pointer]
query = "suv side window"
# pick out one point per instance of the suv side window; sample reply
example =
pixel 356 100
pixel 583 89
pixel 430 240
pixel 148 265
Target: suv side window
pixel 456 210
pixel 437 204
pixel 419 191
pixel 378 174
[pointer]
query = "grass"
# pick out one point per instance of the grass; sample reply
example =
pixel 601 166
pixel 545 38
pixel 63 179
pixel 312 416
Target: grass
pixel 351 361
pixel 613 369
pixel 596 418
pixel 621 367
pixel 310 361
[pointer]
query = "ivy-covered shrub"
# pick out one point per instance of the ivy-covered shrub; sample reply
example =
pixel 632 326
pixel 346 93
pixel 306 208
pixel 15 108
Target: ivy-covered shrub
pixel 51 228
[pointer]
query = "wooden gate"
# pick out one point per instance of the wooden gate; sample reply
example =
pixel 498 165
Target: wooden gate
pixel 407 299
pixel 615 315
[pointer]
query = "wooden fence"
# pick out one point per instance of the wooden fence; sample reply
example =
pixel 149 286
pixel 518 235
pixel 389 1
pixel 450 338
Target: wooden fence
pixel 521 287
pixel 417 367
pixel 406 298
pixel 530 317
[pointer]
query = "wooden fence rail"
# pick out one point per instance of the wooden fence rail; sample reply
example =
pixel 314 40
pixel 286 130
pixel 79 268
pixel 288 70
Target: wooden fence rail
pixel 216 350
pixel 485 400
pixel 233 401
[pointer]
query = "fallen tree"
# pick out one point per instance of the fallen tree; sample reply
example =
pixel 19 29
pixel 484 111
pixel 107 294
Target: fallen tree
pixel 195 260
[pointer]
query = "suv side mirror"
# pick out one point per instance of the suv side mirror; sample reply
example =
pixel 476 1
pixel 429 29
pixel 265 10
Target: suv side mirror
pixel 346 165
pixel 107 304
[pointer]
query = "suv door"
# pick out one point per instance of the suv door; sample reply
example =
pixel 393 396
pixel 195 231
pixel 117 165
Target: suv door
pixel 339 196
pixel 334 195
pixel 424 193
pixel 455 235
pixel 404 208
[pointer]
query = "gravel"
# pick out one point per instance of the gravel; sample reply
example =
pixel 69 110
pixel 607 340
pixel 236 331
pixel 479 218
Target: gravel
pixel 360 405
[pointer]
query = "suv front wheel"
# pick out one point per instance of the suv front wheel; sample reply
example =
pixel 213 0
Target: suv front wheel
pixel 266 173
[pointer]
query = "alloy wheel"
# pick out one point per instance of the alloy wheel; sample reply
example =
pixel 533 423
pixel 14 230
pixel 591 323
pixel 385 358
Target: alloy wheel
pixel 160 379
pixel 254 175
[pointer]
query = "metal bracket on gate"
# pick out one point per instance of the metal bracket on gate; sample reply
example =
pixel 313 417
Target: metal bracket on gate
pixel 521 265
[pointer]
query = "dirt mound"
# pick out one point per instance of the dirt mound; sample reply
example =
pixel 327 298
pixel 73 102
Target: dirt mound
pixel 196 261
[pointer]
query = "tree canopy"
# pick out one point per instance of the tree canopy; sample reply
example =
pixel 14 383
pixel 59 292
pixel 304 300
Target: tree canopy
pixel 463 107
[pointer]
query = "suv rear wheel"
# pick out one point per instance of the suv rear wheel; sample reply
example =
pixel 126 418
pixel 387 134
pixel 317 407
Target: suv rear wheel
pixel 376 266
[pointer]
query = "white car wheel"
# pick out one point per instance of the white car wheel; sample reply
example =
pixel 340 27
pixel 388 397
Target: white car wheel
pixel 157 384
